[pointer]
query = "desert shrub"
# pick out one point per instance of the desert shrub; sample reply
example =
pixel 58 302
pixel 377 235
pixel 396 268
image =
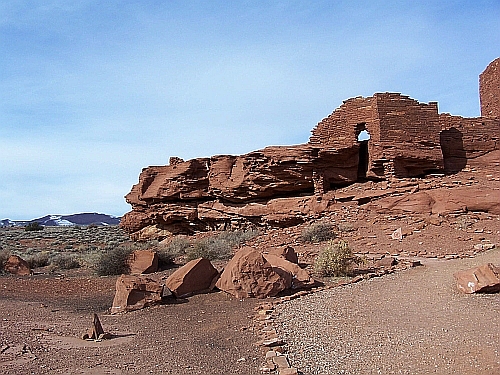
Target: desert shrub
pixel 336 259
pixel 40 259
pixel 113 261
pixel 345 227
pixel 238 237
pixel 212 248
pixel 463 223
pixel 168 253
pixel 4 256
pixel 318 232
pixel 65 261
pixel 33 226
pixel 219 247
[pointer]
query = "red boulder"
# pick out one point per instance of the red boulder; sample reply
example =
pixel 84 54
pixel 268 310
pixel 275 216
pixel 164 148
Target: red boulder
pixel 482 279
pixel 143 261
pixel 249 274
pixel 135 292
pixel 17 266
pixel 194 277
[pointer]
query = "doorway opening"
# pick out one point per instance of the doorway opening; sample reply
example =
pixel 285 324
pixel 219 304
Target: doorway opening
pixel 362 136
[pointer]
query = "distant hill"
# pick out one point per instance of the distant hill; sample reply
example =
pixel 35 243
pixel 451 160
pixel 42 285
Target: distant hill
pixel 92 218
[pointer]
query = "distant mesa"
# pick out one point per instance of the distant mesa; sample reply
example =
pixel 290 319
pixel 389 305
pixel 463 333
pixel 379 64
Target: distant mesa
pixel 88 218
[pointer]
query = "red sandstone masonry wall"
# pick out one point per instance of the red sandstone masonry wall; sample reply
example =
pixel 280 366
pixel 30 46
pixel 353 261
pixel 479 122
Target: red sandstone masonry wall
pixel 408 127
pixel 479 135
pixel 489 90
pixel 339 129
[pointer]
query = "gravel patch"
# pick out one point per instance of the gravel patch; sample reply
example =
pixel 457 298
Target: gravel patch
pixel 411 322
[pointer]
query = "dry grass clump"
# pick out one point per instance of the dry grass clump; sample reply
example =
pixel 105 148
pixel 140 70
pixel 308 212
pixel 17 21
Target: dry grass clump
pixel 65 261
pixel 219 247
pixel 168 253
pixel 211 248
pixel 345 227
pixel 336 259
pixel 4 256
pixel 318 232
pixel 113 261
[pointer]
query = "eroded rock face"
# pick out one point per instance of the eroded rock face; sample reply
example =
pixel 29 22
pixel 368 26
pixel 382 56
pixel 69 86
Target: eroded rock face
pixel 135 292
pixel 274 185
pixel 195 276
pixel 482 279
pixel 248 274
pixel 444 201
pixel 17 266
pixel 285 186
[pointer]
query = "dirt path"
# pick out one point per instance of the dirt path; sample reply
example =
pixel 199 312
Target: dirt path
pixel 40 328
pixel 413 322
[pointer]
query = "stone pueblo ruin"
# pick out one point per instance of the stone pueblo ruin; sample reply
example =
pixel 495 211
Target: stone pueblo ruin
pixel 386 138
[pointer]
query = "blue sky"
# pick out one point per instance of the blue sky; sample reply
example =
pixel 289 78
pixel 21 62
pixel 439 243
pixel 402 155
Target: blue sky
pixel 91 92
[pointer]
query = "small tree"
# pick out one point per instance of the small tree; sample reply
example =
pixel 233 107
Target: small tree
pixel 336 259
pixel 33 226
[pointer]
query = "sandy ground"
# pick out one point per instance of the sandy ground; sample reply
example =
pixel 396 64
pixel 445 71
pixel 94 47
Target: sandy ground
pixel 43 319
pixel 411 322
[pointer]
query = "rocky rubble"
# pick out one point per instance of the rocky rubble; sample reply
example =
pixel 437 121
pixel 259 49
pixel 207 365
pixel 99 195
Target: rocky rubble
pixel 249 274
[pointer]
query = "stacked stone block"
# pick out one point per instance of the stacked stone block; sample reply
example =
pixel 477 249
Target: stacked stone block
pixel 489 90
pixel 339 129
pixel 479 135
pixel 403 133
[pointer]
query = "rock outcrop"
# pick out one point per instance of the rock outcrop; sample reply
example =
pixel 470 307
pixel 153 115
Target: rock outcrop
pixel 383 137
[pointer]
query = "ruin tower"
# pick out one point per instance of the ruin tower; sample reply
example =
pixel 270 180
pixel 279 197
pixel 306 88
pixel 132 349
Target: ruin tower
pixel 489 90
pixel 403 135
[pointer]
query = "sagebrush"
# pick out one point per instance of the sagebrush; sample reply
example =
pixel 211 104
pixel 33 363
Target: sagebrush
pixel 40 259
pixel 66 261
pixel 34 226
pixel 318 232
pixel 4 256
pixel 336 259
pixel 168 253
pixel 113 261
pixel 219 247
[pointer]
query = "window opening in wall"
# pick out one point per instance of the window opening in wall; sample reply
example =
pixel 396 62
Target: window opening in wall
pixel 362 136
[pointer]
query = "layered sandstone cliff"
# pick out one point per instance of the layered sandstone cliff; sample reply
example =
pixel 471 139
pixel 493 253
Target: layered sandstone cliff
pixel 384 137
